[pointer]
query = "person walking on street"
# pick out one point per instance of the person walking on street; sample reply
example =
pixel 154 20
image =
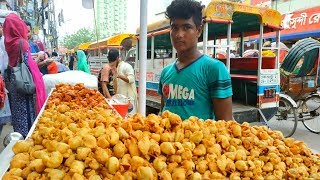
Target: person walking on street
pixel 195 84
pixel 82 62
pixel 5 115
pixel 23 107
pixel 3 53
pixel 33 46
pixel 71 62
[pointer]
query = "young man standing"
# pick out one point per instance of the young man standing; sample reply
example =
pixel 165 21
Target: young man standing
pixel 196 84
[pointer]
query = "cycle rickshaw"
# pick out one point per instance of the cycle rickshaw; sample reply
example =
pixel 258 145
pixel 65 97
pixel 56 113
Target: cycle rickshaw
pixel 300 99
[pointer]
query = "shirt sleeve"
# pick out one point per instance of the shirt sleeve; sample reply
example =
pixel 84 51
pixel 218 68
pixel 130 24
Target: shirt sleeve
pixel 105 72
pixel 219 80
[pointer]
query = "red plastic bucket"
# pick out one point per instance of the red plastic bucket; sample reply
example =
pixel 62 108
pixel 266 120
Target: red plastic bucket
pixel 122 109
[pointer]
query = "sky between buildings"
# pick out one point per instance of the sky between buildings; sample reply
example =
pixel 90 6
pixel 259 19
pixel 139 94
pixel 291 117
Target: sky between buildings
pixel 76 17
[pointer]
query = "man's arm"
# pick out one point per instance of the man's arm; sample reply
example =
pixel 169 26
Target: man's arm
pixel 128 74
pixel 222 108
pixel 123 77
pixel 105 89
pixel 40 63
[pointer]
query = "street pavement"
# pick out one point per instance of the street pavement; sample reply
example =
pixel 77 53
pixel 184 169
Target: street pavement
pixel 302 134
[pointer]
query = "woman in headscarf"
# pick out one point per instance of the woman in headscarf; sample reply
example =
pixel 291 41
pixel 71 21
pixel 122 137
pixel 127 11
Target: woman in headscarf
pixel 82 62
pixel 23 107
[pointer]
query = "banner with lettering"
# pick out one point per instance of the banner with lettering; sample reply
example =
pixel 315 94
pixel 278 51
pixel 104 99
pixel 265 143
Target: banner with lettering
pixel 299 22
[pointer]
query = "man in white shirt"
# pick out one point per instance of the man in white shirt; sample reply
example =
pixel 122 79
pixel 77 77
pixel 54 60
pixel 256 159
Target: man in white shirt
pixel 125 80
pixel 3 53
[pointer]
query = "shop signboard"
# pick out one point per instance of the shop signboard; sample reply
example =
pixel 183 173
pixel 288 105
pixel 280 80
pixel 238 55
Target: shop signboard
pixel 298 25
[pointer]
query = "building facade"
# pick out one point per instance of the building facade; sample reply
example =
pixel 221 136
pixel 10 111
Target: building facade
pixel 111 17
pixel 41 15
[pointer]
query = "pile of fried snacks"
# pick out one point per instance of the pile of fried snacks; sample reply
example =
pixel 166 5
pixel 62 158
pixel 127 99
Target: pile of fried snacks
pixel 82 138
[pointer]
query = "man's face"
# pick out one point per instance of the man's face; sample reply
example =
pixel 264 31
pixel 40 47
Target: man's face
pixel 184 34
pixel 114 64
pixel 29 32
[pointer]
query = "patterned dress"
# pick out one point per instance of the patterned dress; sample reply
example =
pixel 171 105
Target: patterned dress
pixel 22 106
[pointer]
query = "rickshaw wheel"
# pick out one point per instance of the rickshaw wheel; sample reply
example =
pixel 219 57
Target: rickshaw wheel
pixel 286 119
pixel 312 103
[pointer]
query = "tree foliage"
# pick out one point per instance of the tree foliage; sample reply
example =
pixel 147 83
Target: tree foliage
pixel 83 35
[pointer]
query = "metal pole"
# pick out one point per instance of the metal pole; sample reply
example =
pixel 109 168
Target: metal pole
pixel 278 48
pixel 55 37
pixel 143 56
pixel 260 48
pixel 260 52
pixel 214 47
pixel 205 38
pixel 241 44
pixel 278 55
pixel 97 35
pixel 152 51
pixel 228 46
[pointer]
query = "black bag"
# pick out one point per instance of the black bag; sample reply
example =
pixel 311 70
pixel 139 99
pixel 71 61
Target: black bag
pixel 23 77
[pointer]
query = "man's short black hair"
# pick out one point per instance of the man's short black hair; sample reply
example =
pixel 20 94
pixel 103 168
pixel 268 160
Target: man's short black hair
pixel 113 54
pixel 28 24
pixel 185 9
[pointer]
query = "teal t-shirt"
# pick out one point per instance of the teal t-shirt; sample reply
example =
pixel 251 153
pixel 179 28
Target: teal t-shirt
pixel 189 91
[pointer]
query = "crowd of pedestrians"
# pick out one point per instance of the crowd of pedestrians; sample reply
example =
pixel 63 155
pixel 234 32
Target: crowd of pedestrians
pixel 19 45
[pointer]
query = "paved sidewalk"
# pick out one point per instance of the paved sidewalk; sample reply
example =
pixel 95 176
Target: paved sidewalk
pixel 311 139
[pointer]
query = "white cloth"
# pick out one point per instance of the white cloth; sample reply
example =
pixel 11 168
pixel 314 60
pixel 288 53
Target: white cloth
pixel 70 77
pixel 3 56
pixel 127 89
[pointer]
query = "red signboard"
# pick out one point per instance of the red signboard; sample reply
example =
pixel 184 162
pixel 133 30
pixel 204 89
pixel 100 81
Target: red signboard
pixel 299 23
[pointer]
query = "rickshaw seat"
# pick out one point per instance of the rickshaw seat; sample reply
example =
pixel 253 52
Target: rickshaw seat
pixel 247 63
pixel 244 77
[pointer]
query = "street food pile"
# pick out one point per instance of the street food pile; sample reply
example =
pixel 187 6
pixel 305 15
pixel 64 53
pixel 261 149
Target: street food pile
pixel 82 138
